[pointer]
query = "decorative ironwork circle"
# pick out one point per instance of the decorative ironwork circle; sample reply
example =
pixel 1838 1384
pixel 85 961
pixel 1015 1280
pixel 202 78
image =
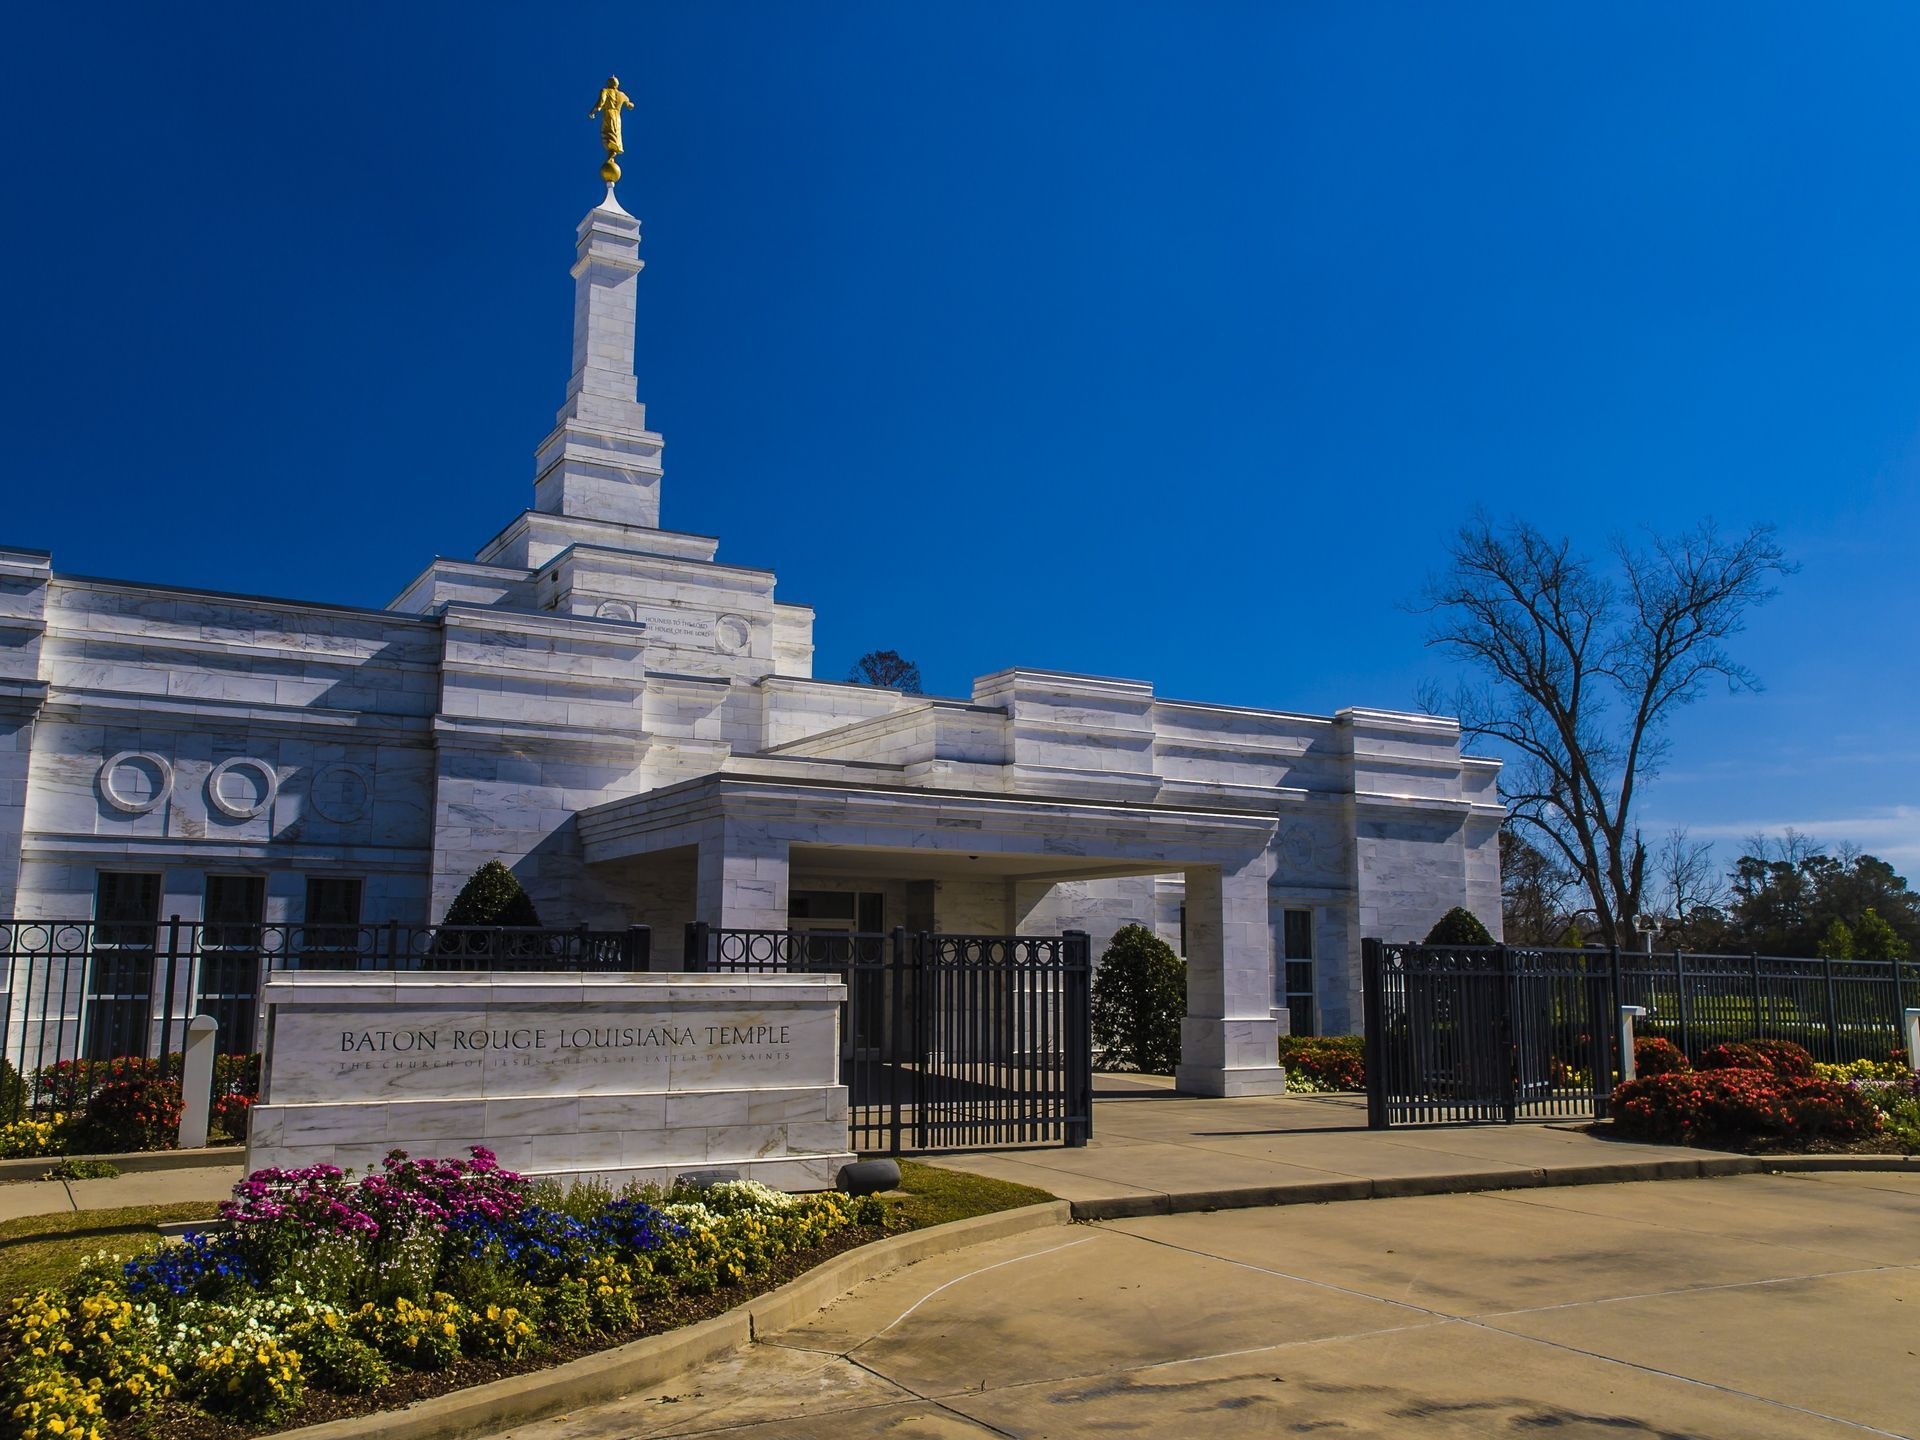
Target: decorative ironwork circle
pixel 341 793
pixel 130 804
pixel 269 781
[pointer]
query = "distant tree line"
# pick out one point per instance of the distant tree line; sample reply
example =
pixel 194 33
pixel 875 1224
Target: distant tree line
pixel 1783 896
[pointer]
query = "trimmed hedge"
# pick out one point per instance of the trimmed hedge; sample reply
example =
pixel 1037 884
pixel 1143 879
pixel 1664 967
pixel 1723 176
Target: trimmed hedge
pixel 1459 926
pixel 1139 998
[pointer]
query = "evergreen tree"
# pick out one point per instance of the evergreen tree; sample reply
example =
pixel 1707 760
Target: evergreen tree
pixel 1139 997
pixel 1837 943
pixel 492 896
pixel 1875 939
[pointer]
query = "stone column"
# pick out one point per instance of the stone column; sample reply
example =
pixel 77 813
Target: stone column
pixel 742 882
pixel 1229 1040
pixel 601 462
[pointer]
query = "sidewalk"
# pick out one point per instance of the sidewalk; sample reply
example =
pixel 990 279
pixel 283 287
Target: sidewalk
pixel 137 1187
pixel 1155 1152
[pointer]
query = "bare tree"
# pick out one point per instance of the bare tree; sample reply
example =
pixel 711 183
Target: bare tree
pixel 1687 877
pixel 888 669
pixel 1579 673
pixel 1534 892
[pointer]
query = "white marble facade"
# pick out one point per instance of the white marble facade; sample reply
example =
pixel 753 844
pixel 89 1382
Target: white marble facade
pixel 634 727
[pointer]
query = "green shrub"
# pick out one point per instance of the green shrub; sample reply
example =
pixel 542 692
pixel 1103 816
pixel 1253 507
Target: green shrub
pixel 1459 926
pixel 1316 1064
pixel 492 896
pixel 1139 998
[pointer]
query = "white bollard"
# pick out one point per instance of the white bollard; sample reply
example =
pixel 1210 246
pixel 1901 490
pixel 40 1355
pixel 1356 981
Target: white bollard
pixel 1629 1014
pixel 1913 1038
pixel 196 1082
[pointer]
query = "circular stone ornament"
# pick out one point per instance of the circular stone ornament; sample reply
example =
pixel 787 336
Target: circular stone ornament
pixel 233 809
pixel 159 781
pixel 733 632
pixel 341 793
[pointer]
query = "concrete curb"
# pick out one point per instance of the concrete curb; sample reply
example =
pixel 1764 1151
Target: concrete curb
pixel 1321 1192
pixel 594 1379
pixel 137 1160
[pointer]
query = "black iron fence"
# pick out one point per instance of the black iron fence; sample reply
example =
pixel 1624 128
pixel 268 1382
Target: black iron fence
pixel 947 1041
pixel 1510 1033
pixel 79 992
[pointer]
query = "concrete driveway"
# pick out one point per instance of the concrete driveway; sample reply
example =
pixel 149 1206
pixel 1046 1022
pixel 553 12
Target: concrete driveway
pixel 1732 1309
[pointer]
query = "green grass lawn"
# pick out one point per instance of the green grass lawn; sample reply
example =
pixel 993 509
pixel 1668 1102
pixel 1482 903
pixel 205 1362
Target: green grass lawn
pixel 41 1250
pixel 933 1196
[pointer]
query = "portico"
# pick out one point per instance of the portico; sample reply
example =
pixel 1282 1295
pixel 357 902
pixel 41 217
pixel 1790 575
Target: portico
pixel 979 862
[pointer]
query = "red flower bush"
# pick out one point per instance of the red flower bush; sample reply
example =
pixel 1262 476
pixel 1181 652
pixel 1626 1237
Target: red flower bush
pixel 139 1112
pixel 1741 1106
pixel 1782 1057
pixel 1656 1055
pixel 1337 1062
pixel 230 1113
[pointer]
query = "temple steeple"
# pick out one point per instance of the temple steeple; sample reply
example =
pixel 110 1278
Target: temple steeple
pixel 601 462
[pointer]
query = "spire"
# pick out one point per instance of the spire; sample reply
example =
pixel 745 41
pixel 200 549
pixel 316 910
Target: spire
pixel 601 462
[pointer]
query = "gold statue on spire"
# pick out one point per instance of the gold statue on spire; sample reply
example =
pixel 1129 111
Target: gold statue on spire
pixel 612 101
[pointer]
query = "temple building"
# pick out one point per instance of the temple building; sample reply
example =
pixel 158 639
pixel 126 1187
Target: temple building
pixel 633 726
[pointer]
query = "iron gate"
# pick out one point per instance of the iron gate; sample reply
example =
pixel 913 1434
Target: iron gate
pixel 1495 1033
pixel 947 1042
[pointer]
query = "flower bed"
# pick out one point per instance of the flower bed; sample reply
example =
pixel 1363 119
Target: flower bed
pixel 1317 1064
pixel 1767 1095
pixel 78 1107
pixel 327 1295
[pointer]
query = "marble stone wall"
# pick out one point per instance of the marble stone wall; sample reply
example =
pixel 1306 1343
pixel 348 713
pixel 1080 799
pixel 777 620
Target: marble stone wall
pixel 615 1077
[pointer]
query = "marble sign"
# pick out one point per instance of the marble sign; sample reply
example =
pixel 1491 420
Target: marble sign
pixel 619 1076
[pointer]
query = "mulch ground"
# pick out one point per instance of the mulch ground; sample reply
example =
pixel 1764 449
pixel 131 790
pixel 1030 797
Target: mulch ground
pixel 1873 1145
pixel 177 1421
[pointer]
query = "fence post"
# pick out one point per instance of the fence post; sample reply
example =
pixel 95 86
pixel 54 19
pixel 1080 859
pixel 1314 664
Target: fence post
pixel 1078 973
pixel 1912 1018
pixel 1629 1066
pixel 639 947
pixel 694 956
pixel 196 1081
pixel 1375 1041
pixel 393 945
pixel 898 1046
pixel 1507 1056
pixel 1753 959
pixel 1686 1010
pixel 166 993
pixel 1833 1015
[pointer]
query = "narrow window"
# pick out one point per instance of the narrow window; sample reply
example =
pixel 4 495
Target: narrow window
pixel 1297 941
pixel 229 988
pixel 119 984
pixel 331 935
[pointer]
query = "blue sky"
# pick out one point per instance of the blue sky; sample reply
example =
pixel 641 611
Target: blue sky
pixel 1165 341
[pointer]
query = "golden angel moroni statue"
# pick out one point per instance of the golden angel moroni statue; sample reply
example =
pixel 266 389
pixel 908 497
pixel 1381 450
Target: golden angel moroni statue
pixel 612 101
